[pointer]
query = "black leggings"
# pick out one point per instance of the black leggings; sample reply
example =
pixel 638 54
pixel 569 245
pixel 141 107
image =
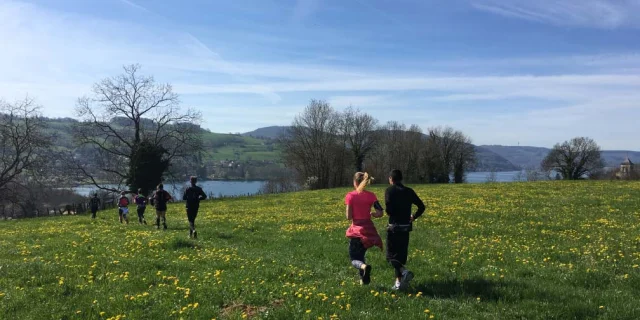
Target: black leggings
pixel 141 213
pixel 192 213
pixel 357 252
pixel 397 250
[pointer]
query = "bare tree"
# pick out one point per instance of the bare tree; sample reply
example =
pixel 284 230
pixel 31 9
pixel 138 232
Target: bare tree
pixel 359 129
pixel 23 137
pixel 574 159
pixel 123 112
pixel 310 144
pixel 464 156
pixel 447 151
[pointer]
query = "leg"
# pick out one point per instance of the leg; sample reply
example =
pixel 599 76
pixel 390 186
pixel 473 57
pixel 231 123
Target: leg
pixel 191 216
pixel 120 214
pixel 357 253
pixel 163 216
pixel 397 251
pixel 143 210
pixel 158 219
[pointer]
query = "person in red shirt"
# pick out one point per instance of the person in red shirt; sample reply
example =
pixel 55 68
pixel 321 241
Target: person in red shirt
pixel 362 233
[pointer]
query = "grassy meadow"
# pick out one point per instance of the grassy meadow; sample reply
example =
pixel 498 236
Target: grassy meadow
pixel 549 250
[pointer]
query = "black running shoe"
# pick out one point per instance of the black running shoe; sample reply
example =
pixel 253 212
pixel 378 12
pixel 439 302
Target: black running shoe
pixel 366 276
pixel 195 234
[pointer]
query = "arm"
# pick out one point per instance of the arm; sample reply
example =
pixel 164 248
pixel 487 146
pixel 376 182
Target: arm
pixel 349 212
pixel 378 213
pixel 387 202
pixel 184 195
pixel 202 194
pixel 421 208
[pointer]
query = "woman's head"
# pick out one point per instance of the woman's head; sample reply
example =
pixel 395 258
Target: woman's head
pixel 361 180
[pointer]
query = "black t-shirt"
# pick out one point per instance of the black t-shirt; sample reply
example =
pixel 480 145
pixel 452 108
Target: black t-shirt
pixel 193 195
pixel 94 202
pixel 398 200
pixel 160 200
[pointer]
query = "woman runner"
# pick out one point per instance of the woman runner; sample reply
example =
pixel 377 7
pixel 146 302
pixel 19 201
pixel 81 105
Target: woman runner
pixel 141 203
pixel 362 233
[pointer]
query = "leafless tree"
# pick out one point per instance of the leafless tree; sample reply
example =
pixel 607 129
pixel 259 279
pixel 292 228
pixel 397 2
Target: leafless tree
pixel 464 156
pixel 574 159
pixel 121 113
pixel 309 145
pixel 359 129
pixel 447 151
pixel 397 148
pixel 23 138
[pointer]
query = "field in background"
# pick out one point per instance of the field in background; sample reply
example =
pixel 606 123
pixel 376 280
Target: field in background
pixel 563 250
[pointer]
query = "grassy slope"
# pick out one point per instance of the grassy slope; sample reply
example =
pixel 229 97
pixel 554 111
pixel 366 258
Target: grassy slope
pixel 535 251
pixel 238 148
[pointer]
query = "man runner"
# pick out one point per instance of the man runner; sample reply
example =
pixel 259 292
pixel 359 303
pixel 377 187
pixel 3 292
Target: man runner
pixel 193 195
pixel 94 203
pixel 399 200
pixel 160 199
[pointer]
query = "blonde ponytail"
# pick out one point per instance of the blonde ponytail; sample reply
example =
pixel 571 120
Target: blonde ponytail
pixel 363 180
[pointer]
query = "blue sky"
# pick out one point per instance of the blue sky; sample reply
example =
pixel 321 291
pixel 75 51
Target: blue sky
pixel 503 71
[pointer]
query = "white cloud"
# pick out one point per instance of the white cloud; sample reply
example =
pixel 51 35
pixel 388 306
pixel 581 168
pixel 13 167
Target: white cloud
pixel 604 14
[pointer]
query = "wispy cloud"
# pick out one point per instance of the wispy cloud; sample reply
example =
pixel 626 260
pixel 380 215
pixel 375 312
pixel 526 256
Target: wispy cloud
pixel 583 13
pixel 134 5
pixel 304 9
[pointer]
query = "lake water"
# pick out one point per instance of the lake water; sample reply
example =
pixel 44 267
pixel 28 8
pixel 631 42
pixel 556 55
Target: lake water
pixel 219 188
pixel 216 188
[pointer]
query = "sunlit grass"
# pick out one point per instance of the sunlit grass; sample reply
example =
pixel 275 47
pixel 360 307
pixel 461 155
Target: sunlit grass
pixel 563 250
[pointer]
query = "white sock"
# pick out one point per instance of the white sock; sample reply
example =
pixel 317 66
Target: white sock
pixel 397 283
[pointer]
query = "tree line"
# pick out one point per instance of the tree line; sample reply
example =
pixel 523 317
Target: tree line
pixel 324 147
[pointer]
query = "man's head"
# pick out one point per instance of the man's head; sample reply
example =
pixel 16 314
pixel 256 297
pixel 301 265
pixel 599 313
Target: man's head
pixel 95 195
pixel 395 176
pixel 193 180
pixel 140 191
pixel 122 193
pixel 160 186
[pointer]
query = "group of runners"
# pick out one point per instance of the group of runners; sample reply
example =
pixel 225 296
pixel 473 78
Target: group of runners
pixel 361 206
pixel 362 234
pixel 192 197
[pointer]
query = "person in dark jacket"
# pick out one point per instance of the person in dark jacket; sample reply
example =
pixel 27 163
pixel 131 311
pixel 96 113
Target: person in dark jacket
pixel 160 199
pixel 193 195
pixel 399 200
pixel 95 205
pixel 141 204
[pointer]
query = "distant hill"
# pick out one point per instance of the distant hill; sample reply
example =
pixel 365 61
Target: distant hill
pixel 272 132
pixel 521 157
pixel 491 161
pixel 531 157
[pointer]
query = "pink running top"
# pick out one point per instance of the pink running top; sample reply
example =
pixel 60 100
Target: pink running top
pixel 362 227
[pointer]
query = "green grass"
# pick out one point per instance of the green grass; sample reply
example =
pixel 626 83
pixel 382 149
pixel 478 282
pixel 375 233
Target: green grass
pixel 554 250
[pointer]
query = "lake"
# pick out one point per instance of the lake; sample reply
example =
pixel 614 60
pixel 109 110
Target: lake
pixel 225 188
pixel 216 188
